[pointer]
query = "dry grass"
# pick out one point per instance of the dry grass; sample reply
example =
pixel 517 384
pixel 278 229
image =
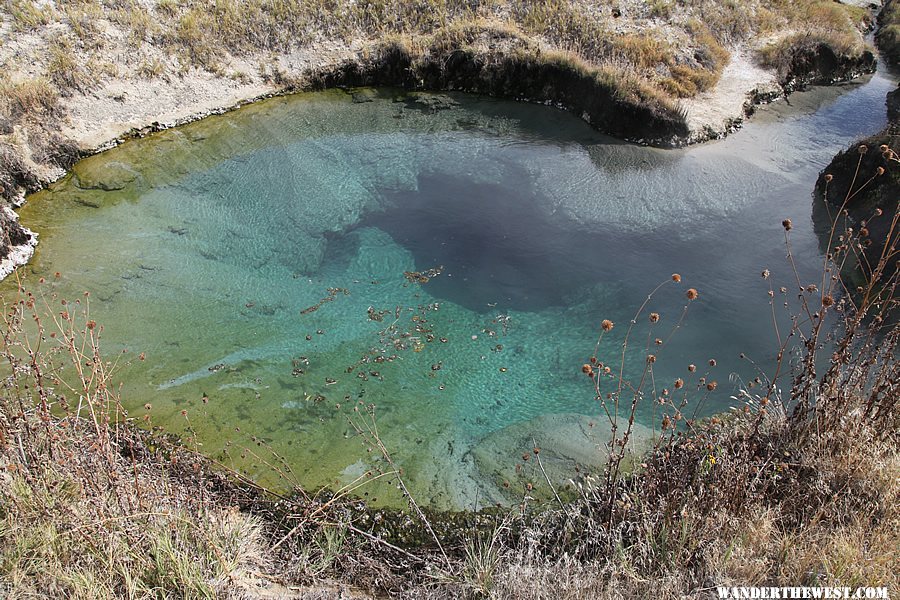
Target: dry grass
pixel 814 27
pixel 61 540
pixel 681 54
pixel 67 72
pixel 27 15
pixel 29 109
pixel 30 98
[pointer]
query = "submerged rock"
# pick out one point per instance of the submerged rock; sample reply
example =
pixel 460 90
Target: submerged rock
pixel 568 446
pixel 106 176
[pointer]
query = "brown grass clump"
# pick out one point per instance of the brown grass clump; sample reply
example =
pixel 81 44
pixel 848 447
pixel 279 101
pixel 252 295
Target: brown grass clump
pixel 825 45
pixel 29 109
pixel 65 70
pixel 27 15
pixel 30 98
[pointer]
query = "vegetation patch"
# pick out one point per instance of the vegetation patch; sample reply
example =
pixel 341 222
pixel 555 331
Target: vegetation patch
pixel 888 35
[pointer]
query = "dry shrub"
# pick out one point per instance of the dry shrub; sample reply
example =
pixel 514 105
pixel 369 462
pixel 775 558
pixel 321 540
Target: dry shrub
pixel 89 508
pixel 29 99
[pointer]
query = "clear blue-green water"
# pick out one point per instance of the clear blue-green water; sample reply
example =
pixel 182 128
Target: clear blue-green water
pixel 204 247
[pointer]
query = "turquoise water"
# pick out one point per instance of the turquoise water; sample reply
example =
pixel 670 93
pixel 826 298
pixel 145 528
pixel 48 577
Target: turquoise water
pixel 260 260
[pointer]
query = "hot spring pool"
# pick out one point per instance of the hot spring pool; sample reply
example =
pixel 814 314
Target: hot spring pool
pixel 261 261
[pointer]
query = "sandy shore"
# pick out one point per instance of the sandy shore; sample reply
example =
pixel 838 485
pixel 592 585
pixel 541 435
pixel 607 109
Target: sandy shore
pixel 97 120
pixel 715 113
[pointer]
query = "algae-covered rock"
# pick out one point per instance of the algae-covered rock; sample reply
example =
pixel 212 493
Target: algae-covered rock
pixel 102 175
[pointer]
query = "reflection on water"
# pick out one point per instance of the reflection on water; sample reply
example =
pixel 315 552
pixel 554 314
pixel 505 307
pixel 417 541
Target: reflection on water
pixel 258 260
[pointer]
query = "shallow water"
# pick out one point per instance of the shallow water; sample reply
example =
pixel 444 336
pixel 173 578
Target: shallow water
pixel 206 248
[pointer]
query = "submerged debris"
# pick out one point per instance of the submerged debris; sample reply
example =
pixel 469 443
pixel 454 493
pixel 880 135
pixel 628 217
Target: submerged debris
pixel 423 276
pixel 332 294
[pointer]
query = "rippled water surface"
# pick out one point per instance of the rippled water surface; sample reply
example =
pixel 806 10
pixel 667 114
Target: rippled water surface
pixel 209 248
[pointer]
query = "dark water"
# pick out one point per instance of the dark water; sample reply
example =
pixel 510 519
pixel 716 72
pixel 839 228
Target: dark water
pixel 218 239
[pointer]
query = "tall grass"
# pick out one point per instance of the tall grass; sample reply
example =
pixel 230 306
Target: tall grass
pixel 28 98
pixel 27 15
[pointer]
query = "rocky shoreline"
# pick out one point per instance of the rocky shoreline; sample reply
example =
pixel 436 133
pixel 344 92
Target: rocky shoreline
pixel 17 244
pixel 864 179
